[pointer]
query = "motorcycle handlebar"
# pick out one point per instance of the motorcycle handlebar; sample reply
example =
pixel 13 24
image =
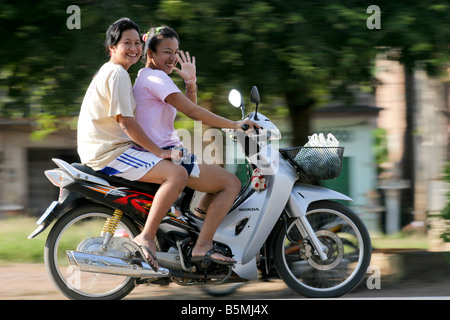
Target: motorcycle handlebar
pixel 245 127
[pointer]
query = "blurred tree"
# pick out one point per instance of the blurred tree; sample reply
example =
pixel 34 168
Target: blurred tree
pixel 302 51
pixel 293 49
pixel 420 30
pixel 41 60
pixel 45 67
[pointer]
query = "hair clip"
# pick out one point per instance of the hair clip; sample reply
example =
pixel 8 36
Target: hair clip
pixel 145 36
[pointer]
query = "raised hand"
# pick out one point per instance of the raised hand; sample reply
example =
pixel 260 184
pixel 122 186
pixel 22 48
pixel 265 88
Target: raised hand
pixel 188 69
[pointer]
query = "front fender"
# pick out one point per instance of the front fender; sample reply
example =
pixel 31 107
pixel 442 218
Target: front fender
pixel 302 195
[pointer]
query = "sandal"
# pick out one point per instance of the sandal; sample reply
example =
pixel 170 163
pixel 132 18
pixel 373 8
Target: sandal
pixel 140 248
pixel 207 257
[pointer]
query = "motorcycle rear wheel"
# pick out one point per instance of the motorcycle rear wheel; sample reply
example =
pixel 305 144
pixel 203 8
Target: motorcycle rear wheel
pixel 349 252
pixel 67 233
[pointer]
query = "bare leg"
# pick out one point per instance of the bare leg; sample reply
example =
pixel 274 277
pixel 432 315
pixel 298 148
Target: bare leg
pixel 173 179
pixel 225 186
pixel 203 204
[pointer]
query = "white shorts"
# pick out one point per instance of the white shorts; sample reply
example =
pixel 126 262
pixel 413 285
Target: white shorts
pixel 132 165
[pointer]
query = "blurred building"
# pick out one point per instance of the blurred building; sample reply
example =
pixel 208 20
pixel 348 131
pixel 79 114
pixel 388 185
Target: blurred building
pixel 353 125
pixel 23 185
pixel 413 110
pixel 415 117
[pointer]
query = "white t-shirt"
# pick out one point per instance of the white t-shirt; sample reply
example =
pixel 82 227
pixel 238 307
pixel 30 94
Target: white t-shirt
pixel 155 116
pixel 100 137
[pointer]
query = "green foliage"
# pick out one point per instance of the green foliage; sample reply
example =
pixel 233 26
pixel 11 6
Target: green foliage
pixel 301 51
pixel 46 67
pixel 420 30
pixel 45 125
pixel 380 147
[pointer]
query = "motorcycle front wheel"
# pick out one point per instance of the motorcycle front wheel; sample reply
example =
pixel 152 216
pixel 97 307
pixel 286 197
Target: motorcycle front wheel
pixel 348 249
pixel 67 233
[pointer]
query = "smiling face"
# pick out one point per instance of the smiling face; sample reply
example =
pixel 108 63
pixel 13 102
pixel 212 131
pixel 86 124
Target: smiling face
pixel 165 56
pixel 128 50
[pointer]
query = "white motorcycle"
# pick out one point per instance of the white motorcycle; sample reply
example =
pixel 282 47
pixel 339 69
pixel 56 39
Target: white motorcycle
pixel 319 247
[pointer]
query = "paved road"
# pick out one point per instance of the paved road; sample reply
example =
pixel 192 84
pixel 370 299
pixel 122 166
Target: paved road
pixel 30 282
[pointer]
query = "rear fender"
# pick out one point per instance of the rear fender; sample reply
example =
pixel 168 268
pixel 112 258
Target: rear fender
pixel 56 209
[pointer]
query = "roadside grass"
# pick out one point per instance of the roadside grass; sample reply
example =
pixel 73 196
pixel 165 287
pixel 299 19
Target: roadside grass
pixel 14 245
pixel 16 248
pixel 401 240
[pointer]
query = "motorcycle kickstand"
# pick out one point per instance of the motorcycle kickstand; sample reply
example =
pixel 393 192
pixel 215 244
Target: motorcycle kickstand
pixel 183 265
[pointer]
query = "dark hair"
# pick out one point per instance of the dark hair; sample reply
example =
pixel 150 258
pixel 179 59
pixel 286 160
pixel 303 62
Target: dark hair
pixel 154 37
pixel 114 32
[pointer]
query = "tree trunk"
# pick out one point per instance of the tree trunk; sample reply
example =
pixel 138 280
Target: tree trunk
pixel 300 108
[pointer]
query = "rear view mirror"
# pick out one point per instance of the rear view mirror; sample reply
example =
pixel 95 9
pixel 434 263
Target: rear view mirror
pixel 254 95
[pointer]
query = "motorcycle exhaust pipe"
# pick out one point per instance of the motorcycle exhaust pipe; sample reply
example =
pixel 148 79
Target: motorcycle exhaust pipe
pixel 89 262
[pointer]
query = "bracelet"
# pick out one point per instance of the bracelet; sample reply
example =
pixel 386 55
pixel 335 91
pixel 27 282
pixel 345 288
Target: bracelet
pixel 192 92
pixel 191 81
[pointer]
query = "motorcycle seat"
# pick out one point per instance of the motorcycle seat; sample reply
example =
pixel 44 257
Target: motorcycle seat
pixel 148 187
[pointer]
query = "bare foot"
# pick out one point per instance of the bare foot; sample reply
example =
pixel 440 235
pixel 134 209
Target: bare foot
pixel 150 245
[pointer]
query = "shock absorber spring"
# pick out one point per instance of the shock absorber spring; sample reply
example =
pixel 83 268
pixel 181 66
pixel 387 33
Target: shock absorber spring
pixel 110 226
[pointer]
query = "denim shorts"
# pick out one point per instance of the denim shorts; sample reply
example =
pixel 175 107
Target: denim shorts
pixel 189 162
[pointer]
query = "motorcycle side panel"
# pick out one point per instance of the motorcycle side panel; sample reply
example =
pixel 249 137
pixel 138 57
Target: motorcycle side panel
pixel 302 195
pixel 262 209
pixel 133 202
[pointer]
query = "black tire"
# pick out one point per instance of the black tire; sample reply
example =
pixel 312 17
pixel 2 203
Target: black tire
pixel 349 252
pixel 66 234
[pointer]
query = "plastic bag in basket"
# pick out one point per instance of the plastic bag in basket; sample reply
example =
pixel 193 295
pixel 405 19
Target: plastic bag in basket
pixel 318 158
pixel 318 140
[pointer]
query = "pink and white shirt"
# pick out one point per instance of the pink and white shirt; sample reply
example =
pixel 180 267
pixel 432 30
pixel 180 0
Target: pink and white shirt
pixel 154 115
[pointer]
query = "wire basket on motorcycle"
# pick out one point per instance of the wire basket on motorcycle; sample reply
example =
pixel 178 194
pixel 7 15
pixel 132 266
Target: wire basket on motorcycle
pixel 315 163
